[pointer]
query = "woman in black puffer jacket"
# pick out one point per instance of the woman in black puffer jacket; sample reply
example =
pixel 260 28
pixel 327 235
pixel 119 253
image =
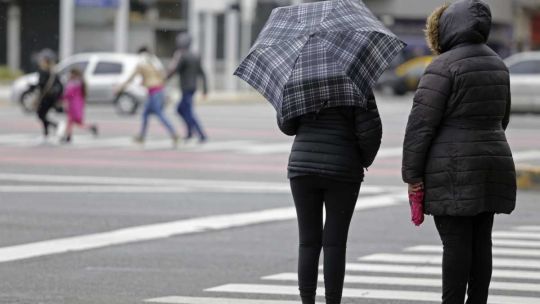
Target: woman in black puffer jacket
pixel 455 145
pixel 326 166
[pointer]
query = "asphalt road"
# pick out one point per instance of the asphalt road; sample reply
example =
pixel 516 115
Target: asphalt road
pixel 106 221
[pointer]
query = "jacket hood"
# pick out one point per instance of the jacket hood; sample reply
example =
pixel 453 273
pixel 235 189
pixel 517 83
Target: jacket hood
pixel 464 21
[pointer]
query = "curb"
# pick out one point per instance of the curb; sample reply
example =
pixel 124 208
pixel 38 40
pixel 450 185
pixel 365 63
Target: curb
pixel 528 177
pixel 221 98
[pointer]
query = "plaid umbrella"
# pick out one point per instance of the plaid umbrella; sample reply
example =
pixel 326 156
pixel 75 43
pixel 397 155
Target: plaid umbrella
pixel 322 54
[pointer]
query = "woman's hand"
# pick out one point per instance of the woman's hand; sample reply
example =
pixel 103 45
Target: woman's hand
pixel 416 187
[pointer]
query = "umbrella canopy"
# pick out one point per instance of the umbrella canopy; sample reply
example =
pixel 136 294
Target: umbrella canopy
pixel 319 54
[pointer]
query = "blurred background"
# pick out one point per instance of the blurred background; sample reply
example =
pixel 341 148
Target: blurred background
pixel 223 30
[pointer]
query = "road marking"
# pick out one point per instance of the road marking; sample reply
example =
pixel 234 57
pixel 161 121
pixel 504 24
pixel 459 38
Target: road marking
pixel 406 281
pixel 194 300
pixel 516 243
pixel 431 270
pixel 526 155
pixel 528 228
pixel 169 229
pixel 147 184
pixel 390 152
pixel 437 260
pixel 379 294
pixel 496 251
pixel 516 235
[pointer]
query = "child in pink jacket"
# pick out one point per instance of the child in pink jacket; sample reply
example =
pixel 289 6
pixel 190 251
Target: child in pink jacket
pixel 74 97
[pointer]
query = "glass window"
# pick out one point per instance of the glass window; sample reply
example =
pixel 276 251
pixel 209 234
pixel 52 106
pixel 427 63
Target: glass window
pixel 108 68
pixel 80 65
pixel 526 67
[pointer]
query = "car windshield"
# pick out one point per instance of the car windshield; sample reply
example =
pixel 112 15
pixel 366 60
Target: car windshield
pixel 526 67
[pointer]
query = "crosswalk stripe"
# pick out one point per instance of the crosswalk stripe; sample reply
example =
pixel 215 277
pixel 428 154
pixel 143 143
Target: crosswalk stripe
pixel 516 243
pixel 516 235
pixel 431 270
pixel 437 260
pixel 195 300
pixel 379 294
pixel 406 281
pixel 528 228
pixel 496 251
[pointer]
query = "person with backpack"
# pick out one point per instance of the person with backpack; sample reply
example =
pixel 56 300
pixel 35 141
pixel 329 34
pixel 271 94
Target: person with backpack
pixel 50 90
pixel 74 97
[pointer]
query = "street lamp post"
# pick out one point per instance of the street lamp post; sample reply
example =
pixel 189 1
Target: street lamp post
pixel 121 31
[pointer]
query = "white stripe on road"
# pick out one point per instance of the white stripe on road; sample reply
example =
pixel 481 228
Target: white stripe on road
pixel 431 270
pixel 406 281
pixel 379 294
pixel 165 230
pixel 194 300
pixel 437 260
pixel 162 185
pixel 526 155
pixel 496 251
pixel 516 235
pixel 516 243
pixel 528 228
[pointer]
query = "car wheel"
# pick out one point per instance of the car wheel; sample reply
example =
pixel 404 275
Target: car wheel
pixel 126 104
pixel 27 101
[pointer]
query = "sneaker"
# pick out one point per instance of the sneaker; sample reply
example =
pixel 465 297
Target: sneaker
pixel 176 141
pixel 138 139
pixel 66 140
pixel 94 130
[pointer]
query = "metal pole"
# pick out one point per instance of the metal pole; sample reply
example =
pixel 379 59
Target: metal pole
pixel 121 31
pixel 67 27
pixel 231 47
pixel 209 55
pixel 14 36
pixel 194 25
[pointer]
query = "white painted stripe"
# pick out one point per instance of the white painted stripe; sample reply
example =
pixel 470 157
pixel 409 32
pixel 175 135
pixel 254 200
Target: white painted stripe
pixel 390 152
pixel 193 300
pixel 431 270
pixel 406 281
pixel 516 235
pixel 222 186
pixel 262 149
pixel 95 189
pixel 516 243
pixel 528 228
pixel 526 155
pixel 165 230
pixel 437 260
pixel 379 294
pixel 496 251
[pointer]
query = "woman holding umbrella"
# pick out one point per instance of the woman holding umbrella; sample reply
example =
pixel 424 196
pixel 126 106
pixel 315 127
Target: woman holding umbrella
pixel 455 146
pixel 316 63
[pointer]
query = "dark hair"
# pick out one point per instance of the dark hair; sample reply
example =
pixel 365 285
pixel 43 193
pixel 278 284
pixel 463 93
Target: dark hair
pixel 143 49
pixel 78 73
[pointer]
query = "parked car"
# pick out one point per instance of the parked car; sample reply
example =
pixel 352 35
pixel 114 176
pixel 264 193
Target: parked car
pixel 525 81
pixel 405 77
pixel 103 72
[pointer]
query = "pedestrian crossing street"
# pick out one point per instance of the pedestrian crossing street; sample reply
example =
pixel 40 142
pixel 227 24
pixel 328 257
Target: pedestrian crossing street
pixel 412 276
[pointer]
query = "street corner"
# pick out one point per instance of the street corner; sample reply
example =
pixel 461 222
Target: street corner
pixel 528 177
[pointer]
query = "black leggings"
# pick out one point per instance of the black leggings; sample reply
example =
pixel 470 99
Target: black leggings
pixel 339 198
pixel 467 258
pixel 43 109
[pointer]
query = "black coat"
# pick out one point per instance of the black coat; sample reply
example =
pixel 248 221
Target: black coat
pixel 336 143
pixel 455 139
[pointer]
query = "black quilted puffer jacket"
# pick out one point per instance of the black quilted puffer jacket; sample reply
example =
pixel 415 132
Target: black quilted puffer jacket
pixel 336 143
pixel 455 139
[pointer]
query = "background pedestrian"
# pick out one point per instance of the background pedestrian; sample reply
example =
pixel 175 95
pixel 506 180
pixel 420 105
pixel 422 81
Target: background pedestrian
pixel 188 66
